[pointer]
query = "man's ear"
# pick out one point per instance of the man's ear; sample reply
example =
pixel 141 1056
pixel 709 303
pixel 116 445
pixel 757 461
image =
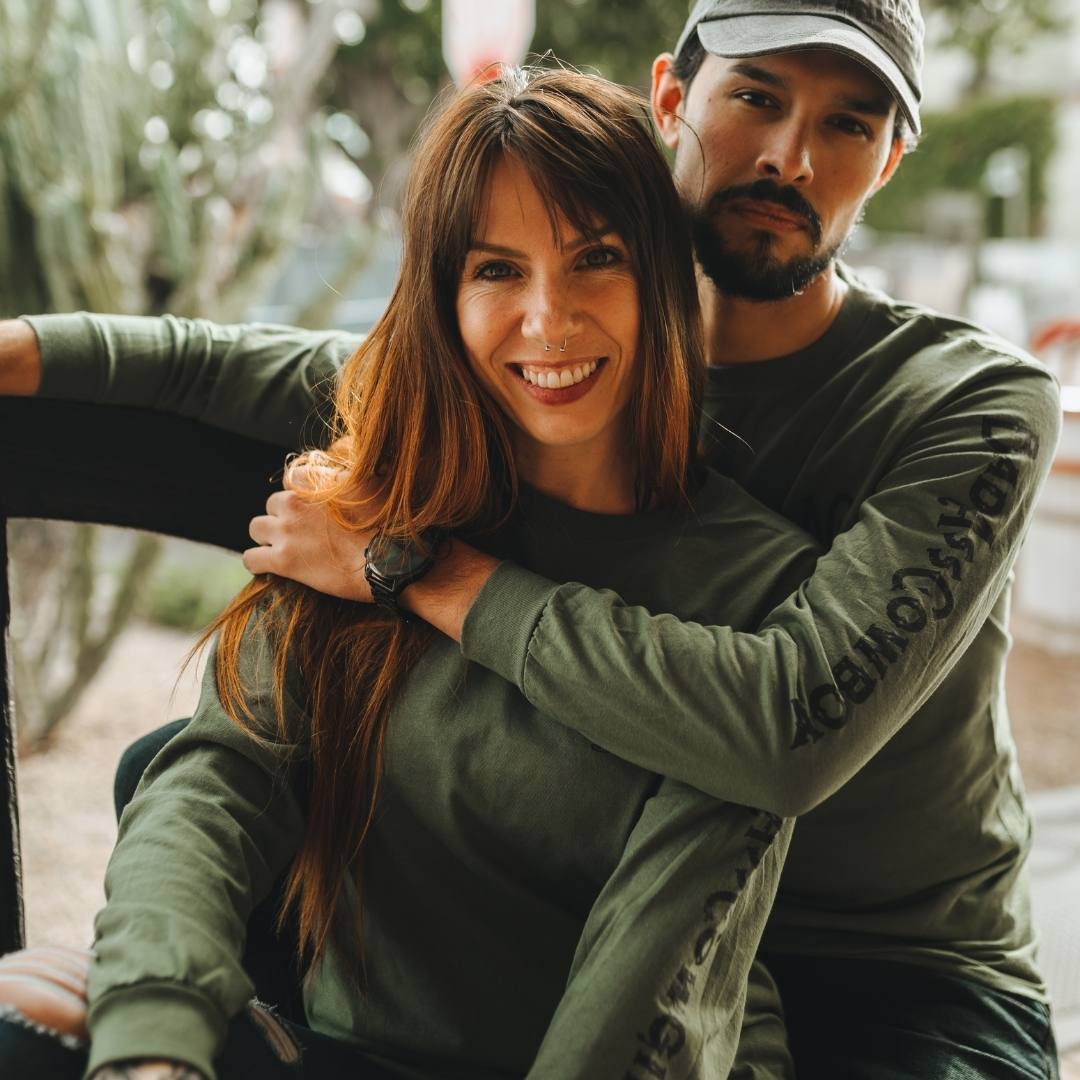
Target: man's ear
pixel 667 99
pixel 896 152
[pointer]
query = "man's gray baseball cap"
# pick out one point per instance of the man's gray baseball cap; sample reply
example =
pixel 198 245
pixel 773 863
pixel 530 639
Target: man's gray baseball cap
pixel 885 36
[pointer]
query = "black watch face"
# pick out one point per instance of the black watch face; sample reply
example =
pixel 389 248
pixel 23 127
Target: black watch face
pixel 393 557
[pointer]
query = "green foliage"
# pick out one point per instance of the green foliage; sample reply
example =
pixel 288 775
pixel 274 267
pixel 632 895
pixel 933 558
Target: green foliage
pixel 153 155
pixel 953 153
pixel 187 594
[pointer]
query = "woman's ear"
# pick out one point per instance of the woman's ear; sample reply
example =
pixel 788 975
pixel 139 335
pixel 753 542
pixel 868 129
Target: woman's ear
pixel 666 98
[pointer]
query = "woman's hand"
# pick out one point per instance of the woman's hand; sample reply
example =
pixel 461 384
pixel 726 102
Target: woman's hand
pixel 300 539
pixel 47 985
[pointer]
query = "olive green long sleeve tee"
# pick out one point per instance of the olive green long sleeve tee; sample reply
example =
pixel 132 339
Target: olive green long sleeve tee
pixel 533 905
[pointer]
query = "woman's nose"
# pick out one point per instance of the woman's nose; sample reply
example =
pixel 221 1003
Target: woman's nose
pixel 551 317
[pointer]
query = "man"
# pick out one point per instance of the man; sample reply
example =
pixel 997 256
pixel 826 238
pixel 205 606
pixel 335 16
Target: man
pixel 911 445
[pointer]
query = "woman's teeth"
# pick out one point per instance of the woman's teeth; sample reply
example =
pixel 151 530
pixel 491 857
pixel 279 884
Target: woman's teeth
pixel 558 380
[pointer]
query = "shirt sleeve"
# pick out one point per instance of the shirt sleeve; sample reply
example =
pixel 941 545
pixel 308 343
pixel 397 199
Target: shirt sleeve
pixel 782 717
pixel 658 984
pixel 213 823
pixel 273 383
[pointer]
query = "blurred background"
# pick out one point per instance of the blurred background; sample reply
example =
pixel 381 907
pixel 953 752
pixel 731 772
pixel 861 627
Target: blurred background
pixel 242 160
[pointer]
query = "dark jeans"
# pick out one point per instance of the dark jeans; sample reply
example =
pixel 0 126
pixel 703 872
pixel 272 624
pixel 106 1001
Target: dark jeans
pixel 875 1020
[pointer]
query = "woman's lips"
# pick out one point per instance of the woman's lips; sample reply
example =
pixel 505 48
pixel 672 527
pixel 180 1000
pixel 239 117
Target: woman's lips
pixel 585 372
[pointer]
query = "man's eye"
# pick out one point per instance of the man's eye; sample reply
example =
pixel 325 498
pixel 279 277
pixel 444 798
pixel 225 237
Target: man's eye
pixel 850 125
pixel 493 271
pixel 755 98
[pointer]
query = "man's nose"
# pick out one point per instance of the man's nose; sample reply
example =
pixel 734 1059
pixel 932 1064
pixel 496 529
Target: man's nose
pixel 551 316
pixel 786 156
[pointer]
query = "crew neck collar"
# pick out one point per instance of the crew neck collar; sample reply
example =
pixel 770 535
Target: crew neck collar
pixel 810 362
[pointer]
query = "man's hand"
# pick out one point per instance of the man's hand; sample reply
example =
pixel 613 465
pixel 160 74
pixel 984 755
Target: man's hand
pixel 300 539
pixel 20 358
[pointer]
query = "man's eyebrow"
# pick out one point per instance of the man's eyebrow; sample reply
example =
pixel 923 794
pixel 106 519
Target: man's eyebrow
pixel 876 106
pixel 758 74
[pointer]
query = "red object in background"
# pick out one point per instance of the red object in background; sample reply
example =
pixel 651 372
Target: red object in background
pixel 1062 332
pixel 480 35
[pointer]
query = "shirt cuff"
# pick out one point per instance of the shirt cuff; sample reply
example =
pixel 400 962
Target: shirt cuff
pixel 500 624
pixel 67 372
pixel 155 1020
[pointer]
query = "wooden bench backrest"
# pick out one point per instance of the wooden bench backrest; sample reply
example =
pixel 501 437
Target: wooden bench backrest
pixel 114 466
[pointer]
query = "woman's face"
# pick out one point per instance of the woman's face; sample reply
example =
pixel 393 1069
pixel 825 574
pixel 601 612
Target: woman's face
pixel 549 322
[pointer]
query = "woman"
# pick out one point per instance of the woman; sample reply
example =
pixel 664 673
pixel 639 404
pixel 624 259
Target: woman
pixel 479 892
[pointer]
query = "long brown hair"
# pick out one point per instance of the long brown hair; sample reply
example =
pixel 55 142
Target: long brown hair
pixel 410 413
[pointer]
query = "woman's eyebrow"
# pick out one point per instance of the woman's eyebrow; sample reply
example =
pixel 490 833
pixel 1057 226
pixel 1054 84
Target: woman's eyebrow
pixel 577 241
pixel 496 249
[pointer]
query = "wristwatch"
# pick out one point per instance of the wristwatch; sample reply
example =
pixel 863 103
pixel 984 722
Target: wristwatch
pixel 393 563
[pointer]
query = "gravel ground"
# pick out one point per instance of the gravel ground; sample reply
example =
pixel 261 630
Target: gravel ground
pixel 65 793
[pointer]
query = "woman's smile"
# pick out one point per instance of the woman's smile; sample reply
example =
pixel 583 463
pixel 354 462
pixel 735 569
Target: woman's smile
pixel 561 383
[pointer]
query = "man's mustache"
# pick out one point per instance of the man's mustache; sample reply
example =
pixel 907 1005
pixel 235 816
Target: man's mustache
pixel 770 191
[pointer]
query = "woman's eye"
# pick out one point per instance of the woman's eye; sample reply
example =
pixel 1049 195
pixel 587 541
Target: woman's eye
pixel 601 257
pixel 493 271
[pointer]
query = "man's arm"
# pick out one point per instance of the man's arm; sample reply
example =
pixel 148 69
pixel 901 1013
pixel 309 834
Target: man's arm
pixel 273 383
pixel 20 359
pixel 659 980
pixel 783 716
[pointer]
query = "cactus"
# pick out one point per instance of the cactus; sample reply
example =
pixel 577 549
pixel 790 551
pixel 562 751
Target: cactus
pixel 155 155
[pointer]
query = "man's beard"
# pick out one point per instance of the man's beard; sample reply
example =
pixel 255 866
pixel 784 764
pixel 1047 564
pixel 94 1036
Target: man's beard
pixel 755 273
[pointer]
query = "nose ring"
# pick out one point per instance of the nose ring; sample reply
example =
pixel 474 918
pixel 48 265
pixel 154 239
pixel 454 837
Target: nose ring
pixel 562 347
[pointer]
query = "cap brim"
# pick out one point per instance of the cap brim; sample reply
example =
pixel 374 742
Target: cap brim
pixel 758 35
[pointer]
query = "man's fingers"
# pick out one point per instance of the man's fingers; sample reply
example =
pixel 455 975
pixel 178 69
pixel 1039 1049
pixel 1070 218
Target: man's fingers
pixel 263 529
pixel 259 560
pixel 311 477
